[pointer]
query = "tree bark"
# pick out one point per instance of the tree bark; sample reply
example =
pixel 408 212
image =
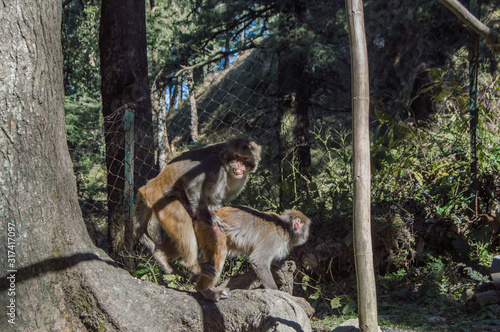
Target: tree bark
pixel 38 201
pixel 125 85
pixel 367 297
pixel 53 277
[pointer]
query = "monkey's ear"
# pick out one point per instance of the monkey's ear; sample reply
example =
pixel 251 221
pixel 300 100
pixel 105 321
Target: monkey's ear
pixel 297 223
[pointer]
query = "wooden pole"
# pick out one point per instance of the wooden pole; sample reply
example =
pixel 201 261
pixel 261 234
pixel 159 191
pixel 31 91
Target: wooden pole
pixel 360 89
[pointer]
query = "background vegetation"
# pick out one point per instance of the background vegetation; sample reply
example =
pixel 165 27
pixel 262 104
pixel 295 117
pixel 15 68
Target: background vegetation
pixel 280 72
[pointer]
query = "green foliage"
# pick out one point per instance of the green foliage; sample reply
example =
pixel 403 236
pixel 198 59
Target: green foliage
pixel 188 33
pixel 81 49
pixel 84 128
pixel 430 163
pixel 149 270
pixel 235 266
pixel 327 297
pixel 489 314
pixel 335 188
pixel 84 125
pixel 481 253
pixel 344 304
pixel 439 275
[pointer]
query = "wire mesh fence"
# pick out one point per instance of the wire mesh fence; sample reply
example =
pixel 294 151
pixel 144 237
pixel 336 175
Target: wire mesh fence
pixel 300 113
pixel 245 99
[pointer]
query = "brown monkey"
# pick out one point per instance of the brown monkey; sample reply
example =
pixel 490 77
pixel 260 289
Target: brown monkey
pixel 202 180
pixel 263 236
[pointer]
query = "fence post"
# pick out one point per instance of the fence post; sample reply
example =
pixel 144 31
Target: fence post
pixel 128 195
pixel 360 89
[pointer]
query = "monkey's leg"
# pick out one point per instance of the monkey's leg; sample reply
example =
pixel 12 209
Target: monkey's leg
pixel 174 192
pixel 142 218
pixel 179 238
pixel 277 274
pixel 263 270
pixel 165 253
pixel 188 247
pixel 186 243
pixel 214 248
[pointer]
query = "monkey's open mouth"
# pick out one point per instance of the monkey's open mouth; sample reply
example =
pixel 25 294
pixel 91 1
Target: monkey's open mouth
pixel 238 172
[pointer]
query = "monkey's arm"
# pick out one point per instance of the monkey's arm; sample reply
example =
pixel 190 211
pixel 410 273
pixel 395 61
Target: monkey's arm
pixel 196 196
pixel 182 197
pixel 209 195
pixel 206 213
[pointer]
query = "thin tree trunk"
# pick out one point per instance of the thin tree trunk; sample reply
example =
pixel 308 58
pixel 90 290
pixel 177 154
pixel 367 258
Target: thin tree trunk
pixel 367 303
pixel 225 63
pixel 164 154
pixel 174 96
pixel 288 173
pixel 194 107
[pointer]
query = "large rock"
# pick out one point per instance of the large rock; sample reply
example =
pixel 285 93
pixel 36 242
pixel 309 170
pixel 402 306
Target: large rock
pixel 109 299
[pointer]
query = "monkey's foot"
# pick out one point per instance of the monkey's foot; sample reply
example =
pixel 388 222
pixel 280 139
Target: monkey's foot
pixel 162 259
pixel 214 295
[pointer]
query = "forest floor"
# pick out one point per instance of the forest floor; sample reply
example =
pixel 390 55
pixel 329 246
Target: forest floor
pixel 413 318
pixel 426 313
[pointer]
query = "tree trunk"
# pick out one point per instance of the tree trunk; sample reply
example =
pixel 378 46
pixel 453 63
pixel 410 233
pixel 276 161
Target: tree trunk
pixel 125 86
pixel 194 107
pixel 164 154
pixel 38 201
pixel 294 95
pixel 360 87
pixel 54 278
pixel 175 94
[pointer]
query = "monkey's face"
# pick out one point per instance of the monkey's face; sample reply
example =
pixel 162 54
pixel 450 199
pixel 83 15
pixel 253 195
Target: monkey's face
pixel 241 157
pixel 299 225
pixel 239 164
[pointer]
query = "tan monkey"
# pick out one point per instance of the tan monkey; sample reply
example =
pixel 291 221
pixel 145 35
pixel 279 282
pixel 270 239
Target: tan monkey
pixel 263 236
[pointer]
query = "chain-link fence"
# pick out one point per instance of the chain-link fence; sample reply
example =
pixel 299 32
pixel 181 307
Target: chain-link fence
pixel 297 165
pixel 299 111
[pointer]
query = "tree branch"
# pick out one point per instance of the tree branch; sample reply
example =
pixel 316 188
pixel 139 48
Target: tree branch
pixel 482 29
pixel 217 56
pixel 67 2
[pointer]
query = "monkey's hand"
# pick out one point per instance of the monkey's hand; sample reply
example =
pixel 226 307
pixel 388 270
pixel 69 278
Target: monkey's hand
pixel 210 217
pixel 181 196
